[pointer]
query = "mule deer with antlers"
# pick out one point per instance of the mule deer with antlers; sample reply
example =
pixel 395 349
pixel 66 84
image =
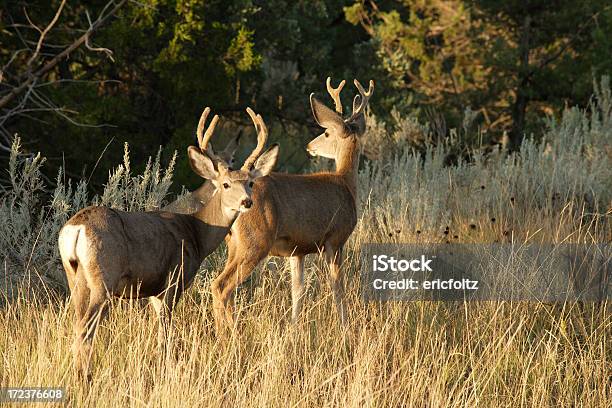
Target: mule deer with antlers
pixel 193 201
pixel 107 252
pixel 295 215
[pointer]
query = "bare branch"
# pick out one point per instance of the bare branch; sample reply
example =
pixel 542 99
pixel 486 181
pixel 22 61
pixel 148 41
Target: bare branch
pixel 59 57
pixel 108 52
pixel 45 103
pixel 10 61
pixel 45 31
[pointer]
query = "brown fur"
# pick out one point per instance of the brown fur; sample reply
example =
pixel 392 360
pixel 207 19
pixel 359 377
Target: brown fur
pixel 107 252
pixel 296 215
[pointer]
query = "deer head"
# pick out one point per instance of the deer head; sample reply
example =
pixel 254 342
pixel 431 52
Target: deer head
pixel 233 186
pixel 340 134
pixel 227 155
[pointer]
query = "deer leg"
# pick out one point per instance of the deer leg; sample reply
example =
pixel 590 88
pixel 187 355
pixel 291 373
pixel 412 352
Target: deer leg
pixel 234 273
pixel 297 286
pixel 164 316
pixel 220 296
pixel 242 271
pixel 333 257
pixel 217 288
pixel 164 303
pixel 79 293
pixel 96 311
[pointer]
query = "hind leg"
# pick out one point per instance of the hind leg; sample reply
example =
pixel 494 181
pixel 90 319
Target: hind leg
pixel 79 294
pixel 85 329
pixel 79 297
pixel 297 286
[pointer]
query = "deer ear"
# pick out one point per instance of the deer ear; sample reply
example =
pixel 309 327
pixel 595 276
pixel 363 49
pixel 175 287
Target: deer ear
pixel 358 125
pixel 325 117
pixel 201 164
pixel 265 163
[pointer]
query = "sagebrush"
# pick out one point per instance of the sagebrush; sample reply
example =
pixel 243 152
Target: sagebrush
pixel 556 189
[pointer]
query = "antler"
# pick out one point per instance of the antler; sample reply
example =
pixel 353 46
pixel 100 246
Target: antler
pixel 365 97
pixel 335 93
pixel 205 138
pixel 262 137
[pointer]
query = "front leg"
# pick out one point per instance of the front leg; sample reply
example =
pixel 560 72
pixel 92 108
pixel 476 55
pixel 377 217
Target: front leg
pixel 333 256
pixel 217 287
pixel 236 271
pixel 178 281
pixel 162 306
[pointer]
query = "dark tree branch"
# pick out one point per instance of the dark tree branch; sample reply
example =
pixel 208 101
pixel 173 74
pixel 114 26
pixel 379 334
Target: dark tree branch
pixel 26 86
pixel 55 60
pixel 568 43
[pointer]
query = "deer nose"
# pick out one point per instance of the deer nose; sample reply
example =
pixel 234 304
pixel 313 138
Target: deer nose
pixel 247 203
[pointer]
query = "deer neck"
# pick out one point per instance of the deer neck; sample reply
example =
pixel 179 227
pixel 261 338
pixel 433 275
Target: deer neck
pixel 193 201
pixel 214 225
pixel 203 194
pixel 347 166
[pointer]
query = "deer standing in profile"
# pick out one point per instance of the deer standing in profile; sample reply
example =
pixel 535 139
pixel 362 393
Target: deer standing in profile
pixel 298 214
pixel 107 252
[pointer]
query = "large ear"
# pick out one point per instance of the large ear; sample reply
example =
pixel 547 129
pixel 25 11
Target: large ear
pixel 201 164
pixel 357 124
pixel 265 162
pixel 325 117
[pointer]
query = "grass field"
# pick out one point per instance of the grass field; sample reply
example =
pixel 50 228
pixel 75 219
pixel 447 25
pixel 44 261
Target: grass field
pixel 393 354
pixel 422 354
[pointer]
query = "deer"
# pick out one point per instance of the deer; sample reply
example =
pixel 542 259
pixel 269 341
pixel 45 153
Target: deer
pixel 194 200
pixel 299 214
pixel 109 253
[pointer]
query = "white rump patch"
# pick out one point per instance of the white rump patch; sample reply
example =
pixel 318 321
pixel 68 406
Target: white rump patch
pixel 69 237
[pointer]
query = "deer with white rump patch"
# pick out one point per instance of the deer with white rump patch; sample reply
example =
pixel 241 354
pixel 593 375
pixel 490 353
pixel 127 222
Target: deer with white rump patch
pixel 299 214
pixel 107 252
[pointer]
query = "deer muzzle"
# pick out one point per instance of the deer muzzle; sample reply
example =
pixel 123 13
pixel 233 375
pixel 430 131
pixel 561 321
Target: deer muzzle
pixel 246 204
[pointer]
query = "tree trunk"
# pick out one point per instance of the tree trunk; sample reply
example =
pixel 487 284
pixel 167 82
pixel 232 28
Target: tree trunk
pixel 522 97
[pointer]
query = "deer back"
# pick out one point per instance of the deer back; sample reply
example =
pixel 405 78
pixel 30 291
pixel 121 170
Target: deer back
pixel 299 212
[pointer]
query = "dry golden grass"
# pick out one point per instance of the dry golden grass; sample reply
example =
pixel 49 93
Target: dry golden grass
pixel 428 354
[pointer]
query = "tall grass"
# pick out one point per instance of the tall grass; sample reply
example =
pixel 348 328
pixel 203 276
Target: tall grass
pixel 557 189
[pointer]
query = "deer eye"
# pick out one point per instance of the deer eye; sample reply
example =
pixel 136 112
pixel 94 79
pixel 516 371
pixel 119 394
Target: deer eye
pixel 326 134
pixel 251 184
pixel 226 186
